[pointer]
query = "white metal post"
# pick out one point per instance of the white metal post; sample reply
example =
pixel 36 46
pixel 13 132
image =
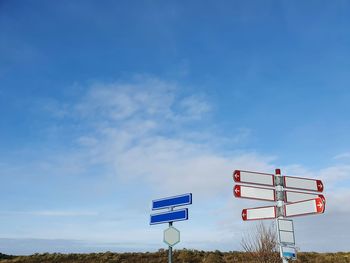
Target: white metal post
pixel 280 203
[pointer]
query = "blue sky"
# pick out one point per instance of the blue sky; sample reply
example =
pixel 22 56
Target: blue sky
pixel 106 106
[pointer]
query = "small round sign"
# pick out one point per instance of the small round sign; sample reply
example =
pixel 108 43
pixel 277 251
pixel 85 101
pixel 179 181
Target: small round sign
pixel 171 236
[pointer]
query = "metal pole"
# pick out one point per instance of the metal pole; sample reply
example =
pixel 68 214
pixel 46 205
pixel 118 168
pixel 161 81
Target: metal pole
pixel 279 193
pixel 170 251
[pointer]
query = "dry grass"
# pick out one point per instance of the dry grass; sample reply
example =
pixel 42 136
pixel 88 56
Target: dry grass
pixel 180 256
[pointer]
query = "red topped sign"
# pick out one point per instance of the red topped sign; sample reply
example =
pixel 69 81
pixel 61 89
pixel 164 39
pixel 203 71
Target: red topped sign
pixel 308 207
pixel 296 196
pixel 303 183
pixel 258 213
pixel 247 177
pixel 250 192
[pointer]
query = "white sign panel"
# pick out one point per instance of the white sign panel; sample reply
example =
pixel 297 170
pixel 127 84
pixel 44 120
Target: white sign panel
pixel 285 225
pixel 303 183
pixel 313 206
pixel 171 236
pixel 251 192
pixel 294 196
pixel 254 178
pixel 266 212
pixel 286 231
pixel 286 237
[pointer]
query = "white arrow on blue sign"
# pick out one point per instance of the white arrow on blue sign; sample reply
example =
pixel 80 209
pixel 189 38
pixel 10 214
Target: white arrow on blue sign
pixel 170 216
pixel 179 200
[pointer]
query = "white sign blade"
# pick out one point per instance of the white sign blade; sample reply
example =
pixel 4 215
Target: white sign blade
pixel 286 231
pixel 253 178
pixel 286 237
pixel 285 225
pixel 258 193
pixel 266 212
pixel 294 196
pixel 303 184
pixel 312 206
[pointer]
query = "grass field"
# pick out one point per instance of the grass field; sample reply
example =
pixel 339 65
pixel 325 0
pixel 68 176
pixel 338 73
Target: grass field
pixel 180 256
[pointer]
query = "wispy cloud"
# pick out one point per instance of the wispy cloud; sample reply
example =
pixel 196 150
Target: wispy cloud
pixel 147 133
pixel 142 97
pixel 345 155
pixel 140 130
pixel 50 213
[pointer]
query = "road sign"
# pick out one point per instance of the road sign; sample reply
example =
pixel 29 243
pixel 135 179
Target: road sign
pixel 285 231
pixel 266 212
pixel 170 216
pixel 312 206
pixel 171 236
pixel 289 252
pixel 179 200
pixel 250 192
pixel 240 176
pixel 303 183
pixel 295 196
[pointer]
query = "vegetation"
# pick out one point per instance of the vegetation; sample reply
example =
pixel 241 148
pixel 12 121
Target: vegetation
pixel 180 256
pixel 259 245
pixel 262 244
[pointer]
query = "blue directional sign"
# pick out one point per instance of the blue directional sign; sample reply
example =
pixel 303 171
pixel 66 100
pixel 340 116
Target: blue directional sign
pixel 179 200
pixel 170 216
pixel 288 254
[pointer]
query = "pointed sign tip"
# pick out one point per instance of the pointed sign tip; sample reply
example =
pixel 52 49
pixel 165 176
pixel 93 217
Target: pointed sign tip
pixel 237 176
pixel 237 191
pixel 244 214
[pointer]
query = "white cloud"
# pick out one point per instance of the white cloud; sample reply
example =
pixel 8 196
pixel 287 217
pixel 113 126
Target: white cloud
pixel 49 213
pixel 195 106
pixel 140 131
pixel 342 156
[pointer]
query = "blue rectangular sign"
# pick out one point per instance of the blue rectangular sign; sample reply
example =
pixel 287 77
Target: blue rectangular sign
pixel 185 199
pixel 171 216
pixel 289 255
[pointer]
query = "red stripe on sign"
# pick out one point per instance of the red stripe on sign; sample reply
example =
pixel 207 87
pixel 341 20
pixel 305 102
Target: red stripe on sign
pixel 323 198
pixel 320 207
pixel 237 176
pixel 237 191
pixel 319 185
pixel 244 214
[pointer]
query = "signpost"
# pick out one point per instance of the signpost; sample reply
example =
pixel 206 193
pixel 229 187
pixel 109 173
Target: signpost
pixel 288 203
pixel 179 200
pixel 170 216
pixel 308 207
pixel 253 178
pixel 265 212
pixel 296 196
pixel 303 183
pixel 258 193
pixel 171 235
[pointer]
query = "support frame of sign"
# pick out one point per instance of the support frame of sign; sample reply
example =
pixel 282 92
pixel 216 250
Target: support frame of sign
pixel 170 215
pixel 293 196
